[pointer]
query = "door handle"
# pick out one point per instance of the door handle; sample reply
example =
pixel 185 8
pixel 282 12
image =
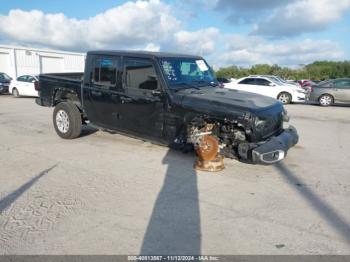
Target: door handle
pixel 125 99
pixel 156 92
pixel 96 93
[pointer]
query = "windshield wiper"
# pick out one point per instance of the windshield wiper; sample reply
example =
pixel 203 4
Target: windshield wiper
pixel 205 82
pixel 186 86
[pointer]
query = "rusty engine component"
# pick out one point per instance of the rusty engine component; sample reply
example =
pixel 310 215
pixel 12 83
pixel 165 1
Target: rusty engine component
pixel 207 148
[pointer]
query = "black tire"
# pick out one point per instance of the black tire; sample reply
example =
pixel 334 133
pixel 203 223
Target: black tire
pixel 15 92
pixel 326 100
pixel 285 98
pixel 71 115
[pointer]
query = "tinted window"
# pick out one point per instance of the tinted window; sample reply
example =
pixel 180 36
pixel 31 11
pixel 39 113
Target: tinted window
pixel 105 71
pixel 326 84
pixel 139 74
pixel 342 84
pixel 248 81
pixel 262 82
pixel 4 76
pixel 30 79
pixel 22 78
pixel 223 80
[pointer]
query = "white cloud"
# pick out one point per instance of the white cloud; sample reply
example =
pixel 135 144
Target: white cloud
pixel 248 50
pixel 200 42
pixel 152 47
pixel 247 11
pixel 151 25
pixel 302 16
pixel 128 25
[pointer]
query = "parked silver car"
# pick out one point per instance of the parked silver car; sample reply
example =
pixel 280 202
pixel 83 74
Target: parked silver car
pixel 331 91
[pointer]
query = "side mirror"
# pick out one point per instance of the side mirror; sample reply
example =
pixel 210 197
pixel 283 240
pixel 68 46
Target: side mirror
pixel 156 93
pixel 151 78
pixel 272 84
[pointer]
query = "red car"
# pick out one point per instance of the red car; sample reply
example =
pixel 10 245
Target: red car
pixel 306 84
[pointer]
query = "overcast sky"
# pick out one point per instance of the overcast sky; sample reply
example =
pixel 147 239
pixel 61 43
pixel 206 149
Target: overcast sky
pixel 241 32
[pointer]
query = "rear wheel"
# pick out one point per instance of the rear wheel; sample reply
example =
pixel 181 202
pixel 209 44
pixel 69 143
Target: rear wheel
pixel 67 120
pixel 285 98
pixel 15 92
pixel 326 100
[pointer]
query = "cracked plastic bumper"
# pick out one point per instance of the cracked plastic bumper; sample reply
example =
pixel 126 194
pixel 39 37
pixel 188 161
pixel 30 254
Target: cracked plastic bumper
pixel 271 151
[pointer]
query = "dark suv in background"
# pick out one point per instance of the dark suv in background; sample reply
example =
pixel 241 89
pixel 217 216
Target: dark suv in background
pixel 5 81
pixel 331 91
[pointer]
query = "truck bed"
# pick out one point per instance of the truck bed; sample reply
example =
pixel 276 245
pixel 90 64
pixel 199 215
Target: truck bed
pixel 67 76
pixel 50 84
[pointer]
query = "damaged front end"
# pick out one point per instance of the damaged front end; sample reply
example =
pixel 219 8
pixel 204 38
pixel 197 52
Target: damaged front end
pixel 271 151
pixel 256 139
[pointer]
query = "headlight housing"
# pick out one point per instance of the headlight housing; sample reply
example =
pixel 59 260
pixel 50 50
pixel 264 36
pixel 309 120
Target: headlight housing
pixel 260 123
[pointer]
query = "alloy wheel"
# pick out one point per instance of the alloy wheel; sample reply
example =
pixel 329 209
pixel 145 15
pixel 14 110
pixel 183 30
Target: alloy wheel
pixel 284 98
pixel 326 100
pixel 62 121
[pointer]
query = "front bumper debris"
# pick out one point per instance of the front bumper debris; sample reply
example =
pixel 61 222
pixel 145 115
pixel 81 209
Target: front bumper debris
pixel 272 150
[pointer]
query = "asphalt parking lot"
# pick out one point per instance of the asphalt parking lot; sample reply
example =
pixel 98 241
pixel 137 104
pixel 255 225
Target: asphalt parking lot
pixel 111 194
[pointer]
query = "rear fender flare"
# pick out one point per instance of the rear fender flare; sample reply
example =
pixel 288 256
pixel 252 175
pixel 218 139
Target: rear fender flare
pixel 62 94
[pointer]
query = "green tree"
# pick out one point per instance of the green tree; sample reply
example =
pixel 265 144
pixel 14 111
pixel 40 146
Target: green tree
pixel 318 70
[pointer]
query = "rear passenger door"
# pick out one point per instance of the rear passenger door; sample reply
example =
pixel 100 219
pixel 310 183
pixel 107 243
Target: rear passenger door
pixel 342 90
pixel 102 90
pixel 22 85
pixel 142 104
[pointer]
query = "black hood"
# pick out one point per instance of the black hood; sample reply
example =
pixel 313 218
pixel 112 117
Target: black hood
pixel 226 101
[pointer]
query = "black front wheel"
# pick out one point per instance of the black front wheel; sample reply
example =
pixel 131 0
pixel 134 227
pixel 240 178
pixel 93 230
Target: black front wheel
pixel 15 92
pixel 67 120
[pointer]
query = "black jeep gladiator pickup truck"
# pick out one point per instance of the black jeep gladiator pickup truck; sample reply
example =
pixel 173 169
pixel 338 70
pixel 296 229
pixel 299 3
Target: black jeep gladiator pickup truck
pixel 170 99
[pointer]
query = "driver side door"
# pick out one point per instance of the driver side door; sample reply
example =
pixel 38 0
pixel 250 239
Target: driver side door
pixel 247 84
pixel 266 88
pixel 142 104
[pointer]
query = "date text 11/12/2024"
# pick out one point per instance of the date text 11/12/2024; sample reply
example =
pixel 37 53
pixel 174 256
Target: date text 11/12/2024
pixel 173 258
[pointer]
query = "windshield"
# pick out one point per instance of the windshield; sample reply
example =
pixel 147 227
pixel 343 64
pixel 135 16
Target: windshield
pixel 326 83
pixel 276 80
pixel 279 80
pixel 5 76
pixel 184 73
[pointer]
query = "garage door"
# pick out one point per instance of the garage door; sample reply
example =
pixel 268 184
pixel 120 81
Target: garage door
pixel 5 63
pixel 51 64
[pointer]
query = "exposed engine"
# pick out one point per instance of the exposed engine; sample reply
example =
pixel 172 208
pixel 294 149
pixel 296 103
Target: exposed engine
pixel 202 132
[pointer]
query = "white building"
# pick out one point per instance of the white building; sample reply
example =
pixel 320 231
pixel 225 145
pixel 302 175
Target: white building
pixel 16 61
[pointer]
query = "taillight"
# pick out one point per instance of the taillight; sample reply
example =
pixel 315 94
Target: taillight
pixel 36 85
